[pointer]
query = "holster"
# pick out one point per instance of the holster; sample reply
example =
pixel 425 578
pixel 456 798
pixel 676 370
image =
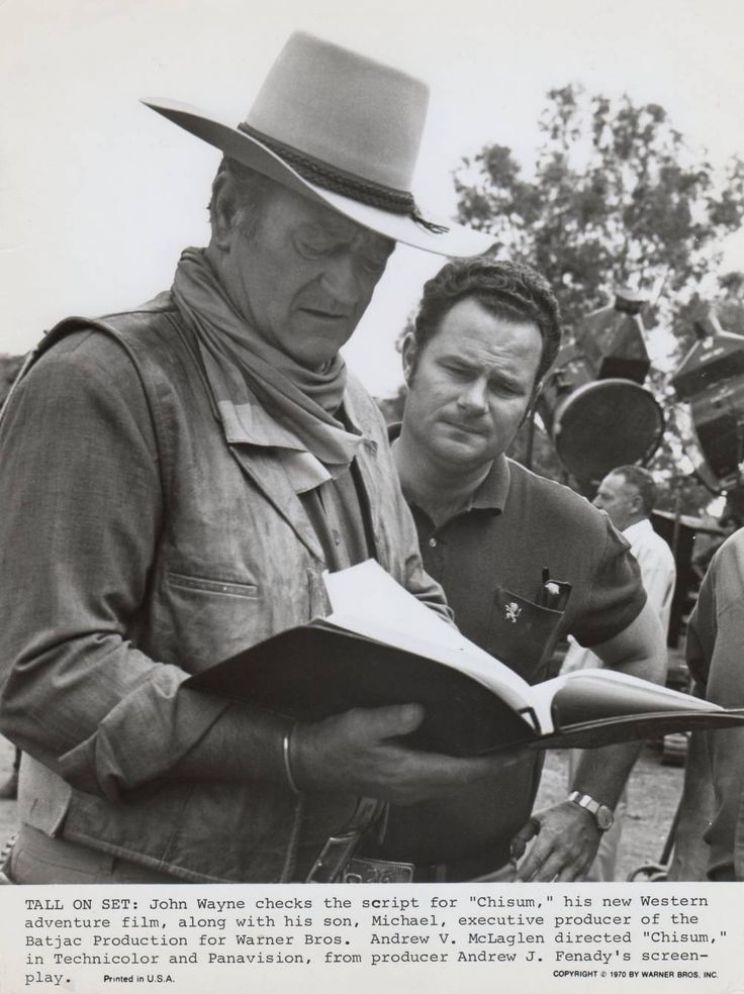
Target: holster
pixel 336 862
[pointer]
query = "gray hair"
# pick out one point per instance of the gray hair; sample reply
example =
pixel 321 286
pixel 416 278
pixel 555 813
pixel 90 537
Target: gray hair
pixel 644 483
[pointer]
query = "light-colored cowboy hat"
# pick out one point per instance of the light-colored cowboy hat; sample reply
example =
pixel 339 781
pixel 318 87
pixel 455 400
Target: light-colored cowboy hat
pixel 341 129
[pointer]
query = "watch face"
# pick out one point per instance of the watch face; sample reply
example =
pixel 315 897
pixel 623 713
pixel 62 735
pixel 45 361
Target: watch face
pixel 604 817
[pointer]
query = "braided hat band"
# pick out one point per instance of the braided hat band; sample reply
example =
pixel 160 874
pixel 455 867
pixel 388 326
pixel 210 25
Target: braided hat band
pixel 339 181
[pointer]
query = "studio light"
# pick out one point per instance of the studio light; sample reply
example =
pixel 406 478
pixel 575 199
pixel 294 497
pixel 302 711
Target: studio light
pixel 594 405
pixel 710 383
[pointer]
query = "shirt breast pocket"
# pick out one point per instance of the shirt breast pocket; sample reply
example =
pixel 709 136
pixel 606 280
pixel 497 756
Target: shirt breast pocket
pixel 523 635
pixel 202 619
pixel 227 588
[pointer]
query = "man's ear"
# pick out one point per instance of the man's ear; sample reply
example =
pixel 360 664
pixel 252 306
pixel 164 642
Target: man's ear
pixel 224 207
pixel 409 352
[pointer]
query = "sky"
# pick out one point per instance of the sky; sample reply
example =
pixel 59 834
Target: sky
pixel 98 195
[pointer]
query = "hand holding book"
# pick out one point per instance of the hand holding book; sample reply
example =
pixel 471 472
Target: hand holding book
pixel 368 752
pixel 381 647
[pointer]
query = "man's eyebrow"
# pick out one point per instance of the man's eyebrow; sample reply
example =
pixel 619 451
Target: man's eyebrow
pixel 495 375
pixel 345 232
pixel 463 360
pixel 458 359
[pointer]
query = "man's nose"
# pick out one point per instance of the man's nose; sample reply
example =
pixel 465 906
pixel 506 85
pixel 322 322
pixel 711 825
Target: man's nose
pixel 597 502
pixel 474 397
pixel 341 281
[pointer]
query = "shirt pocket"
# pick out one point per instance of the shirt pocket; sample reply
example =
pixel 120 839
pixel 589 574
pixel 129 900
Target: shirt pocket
pixel 523 634
pixel 200 620
pixel 224 588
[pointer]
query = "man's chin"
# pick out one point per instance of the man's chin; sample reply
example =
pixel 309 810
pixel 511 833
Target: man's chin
pixel 316 351
pixel 316 343
pixel 466 452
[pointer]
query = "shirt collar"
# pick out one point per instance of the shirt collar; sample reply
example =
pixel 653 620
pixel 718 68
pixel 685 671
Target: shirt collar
pixel 638 529
pixel 493 492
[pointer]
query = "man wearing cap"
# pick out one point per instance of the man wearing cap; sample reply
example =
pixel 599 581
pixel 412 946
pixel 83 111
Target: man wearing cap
pixel 176 479
pixel 523 561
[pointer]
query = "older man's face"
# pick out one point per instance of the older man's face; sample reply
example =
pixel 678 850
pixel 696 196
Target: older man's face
pixel 305 275
pixel 619 499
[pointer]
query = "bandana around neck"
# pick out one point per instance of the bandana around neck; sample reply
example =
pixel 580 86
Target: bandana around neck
pixel 263 396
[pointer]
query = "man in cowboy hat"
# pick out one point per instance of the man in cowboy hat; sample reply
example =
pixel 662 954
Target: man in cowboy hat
pixel 176 479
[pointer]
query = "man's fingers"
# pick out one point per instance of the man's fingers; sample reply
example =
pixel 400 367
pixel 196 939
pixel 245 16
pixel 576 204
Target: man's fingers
pixel 368 754
pixel 548 869
pixel 572 872
pixel 523 836
pixel 540 864
pixel 388 722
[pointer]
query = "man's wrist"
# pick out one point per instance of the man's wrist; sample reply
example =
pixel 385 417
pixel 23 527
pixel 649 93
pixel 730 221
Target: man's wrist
pixel 244 743
pixel 602 815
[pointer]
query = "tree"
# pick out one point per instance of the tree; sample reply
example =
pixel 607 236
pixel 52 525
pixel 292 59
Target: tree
pixel 615 197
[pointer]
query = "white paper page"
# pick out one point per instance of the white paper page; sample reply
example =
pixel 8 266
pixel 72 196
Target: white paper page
pixel 368 601
pixel 672 698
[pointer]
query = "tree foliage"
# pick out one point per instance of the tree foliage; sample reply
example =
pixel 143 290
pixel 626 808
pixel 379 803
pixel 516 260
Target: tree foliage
pixel 615 197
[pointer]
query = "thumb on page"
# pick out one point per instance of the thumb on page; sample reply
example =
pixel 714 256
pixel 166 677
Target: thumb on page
pixel 396 719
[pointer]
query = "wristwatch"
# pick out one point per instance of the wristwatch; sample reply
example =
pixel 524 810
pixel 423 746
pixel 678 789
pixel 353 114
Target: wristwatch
pixel 602 814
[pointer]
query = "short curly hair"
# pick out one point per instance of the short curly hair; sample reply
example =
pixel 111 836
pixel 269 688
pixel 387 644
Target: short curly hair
pixel 509 290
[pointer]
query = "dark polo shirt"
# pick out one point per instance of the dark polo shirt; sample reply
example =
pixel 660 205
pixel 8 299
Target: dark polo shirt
pixel 490 556
pixel 516 526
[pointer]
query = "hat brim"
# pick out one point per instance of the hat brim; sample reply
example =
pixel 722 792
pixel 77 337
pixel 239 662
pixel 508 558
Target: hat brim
pixel 455 240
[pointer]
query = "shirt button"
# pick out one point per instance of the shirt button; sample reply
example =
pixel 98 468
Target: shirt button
pixel 432 542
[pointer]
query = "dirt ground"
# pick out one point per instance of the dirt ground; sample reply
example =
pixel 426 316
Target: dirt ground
pixel 654 792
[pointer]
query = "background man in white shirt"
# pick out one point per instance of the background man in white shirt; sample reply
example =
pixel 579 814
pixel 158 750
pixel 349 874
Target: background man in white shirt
pixel 627 494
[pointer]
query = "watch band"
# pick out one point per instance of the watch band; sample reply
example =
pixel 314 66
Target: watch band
pixel 603 815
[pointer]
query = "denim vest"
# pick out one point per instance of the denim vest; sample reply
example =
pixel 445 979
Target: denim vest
pixel 270 567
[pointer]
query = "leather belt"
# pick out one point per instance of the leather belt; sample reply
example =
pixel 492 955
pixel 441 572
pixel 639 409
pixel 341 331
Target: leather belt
pixel 338 861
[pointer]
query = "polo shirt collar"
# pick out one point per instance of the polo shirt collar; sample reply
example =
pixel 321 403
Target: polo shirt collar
pixel 492 493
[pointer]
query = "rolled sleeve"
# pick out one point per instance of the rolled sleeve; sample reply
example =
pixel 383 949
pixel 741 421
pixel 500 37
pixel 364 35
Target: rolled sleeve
pixel 80 515
pixel 616 595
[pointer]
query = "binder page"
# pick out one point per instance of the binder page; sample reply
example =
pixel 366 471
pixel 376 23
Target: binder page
pixel 369 602
pixel 586 695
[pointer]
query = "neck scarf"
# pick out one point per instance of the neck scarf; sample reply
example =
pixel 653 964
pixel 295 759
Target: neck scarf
pixel 263 396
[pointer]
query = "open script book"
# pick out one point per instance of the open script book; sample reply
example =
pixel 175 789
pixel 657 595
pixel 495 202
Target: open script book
pixel 380 646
